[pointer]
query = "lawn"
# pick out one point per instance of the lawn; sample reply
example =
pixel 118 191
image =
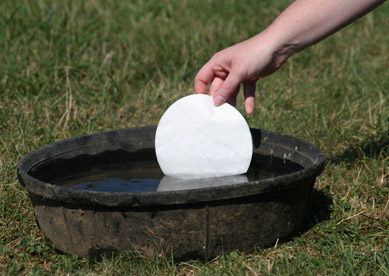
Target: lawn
pixel 70 68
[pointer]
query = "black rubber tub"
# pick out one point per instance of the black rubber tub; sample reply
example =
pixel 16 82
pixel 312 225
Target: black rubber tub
pixel 187 224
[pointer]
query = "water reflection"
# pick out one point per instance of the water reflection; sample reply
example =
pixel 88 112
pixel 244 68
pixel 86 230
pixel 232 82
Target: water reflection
pixel 113 184
pixel 169 183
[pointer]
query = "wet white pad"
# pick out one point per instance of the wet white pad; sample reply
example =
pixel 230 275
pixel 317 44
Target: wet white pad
pixel 196 139
pixel 169 183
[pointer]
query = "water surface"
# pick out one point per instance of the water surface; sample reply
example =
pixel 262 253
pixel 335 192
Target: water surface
pixel 146 176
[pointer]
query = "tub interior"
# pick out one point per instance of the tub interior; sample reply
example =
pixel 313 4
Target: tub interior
pixel 139 172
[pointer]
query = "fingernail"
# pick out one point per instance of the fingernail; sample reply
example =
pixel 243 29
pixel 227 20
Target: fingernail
pixel 219 100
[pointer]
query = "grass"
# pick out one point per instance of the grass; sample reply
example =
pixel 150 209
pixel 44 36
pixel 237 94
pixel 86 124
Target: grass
pixel 69 68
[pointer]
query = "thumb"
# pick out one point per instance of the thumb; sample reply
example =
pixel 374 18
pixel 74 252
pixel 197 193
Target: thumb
pixel 229 86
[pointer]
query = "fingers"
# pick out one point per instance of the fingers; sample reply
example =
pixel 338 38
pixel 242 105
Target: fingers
pixel 215 85
pixel 249 97
pixel 204 77
pixel 232 98
pixel 224 85
pixel 227 89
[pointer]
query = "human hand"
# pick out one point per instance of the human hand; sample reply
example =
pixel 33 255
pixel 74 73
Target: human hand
pixel 302 24
pixel 243 63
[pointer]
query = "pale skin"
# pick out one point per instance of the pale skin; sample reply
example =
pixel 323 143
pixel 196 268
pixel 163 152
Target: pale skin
pixel 299 26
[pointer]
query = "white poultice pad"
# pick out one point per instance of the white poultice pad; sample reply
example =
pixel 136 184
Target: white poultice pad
pixel 169 183
pixel 196 139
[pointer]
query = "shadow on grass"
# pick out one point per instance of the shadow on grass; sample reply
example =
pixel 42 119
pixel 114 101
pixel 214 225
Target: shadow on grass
pixel 376 147
pixel 319 209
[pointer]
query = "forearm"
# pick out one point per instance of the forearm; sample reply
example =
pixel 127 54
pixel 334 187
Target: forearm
pixel 306 22
pixel 302 24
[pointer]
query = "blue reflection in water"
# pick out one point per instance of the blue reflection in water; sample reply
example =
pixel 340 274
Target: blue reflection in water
pixel 111 184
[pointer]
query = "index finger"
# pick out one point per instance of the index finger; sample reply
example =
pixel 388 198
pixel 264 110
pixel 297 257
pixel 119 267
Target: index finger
pixel 203 78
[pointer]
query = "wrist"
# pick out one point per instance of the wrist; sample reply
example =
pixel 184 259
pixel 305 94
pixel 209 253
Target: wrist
pixel 277 48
